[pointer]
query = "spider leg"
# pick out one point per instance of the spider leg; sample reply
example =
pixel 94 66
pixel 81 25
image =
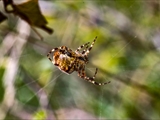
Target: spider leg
pixel 85 49
pixel 89 49
pixel 48 55
pixel 90 79
pixel 80 47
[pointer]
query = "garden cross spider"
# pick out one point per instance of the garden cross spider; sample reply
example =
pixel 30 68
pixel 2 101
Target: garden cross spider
pixel 69 61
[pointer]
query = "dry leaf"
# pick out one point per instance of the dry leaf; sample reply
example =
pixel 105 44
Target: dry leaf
pixel 30 12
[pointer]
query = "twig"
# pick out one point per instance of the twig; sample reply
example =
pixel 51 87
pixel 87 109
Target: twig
pixel 12 67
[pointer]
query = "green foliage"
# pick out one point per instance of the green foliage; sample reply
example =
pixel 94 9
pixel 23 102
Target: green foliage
pixel 40 115
pixel 126 53
pixel 27 97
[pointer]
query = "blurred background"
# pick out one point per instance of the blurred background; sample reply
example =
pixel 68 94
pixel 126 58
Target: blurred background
pixel 126 53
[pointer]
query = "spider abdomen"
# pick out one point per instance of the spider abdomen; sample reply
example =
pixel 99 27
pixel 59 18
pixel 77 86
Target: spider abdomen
pixel 64 62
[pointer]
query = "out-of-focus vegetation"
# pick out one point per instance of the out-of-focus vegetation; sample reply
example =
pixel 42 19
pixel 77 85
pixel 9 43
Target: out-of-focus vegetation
pixel 126 53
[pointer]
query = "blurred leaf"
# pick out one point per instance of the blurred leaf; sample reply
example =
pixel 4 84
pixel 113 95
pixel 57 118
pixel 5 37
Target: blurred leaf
pixel 30 12
pixel 1 84
pixel 40 115
pixel 26 96
pixel 11 117
pixel 133 112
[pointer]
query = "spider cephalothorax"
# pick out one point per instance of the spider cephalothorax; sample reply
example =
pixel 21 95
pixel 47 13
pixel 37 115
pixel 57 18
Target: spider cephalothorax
pixel 69 61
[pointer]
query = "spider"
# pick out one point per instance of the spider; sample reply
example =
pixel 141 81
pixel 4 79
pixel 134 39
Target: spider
pixel 69 61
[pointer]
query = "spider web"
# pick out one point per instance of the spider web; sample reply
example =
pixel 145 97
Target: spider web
pixel 125 54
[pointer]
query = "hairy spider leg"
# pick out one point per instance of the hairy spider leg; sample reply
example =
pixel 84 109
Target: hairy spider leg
pixel 48 55
pixel 80 47
pixel 85 49
pixel 90 79
pixel 89 49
